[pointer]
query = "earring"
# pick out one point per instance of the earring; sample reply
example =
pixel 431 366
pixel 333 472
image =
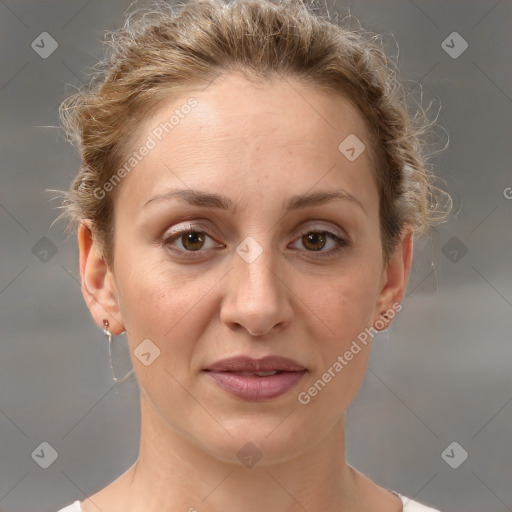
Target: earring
pixel 109 336
pixel 382 323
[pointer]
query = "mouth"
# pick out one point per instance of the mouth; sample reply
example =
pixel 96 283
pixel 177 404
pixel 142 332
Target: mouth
pixel 256 379
pixel 245 364
pixel 257 374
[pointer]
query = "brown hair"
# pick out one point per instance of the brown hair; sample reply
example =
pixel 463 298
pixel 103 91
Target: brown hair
pixel 162 50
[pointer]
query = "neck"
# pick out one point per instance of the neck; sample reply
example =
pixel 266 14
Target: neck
pixel 172 473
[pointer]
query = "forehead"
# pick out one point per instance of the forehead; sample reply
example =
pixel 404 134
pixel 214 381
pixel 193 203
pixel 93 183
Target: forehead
pixel 253 133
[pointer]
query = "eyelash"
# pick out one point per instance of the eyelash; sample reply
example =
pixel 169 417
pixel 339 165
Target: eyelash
pixel 197 228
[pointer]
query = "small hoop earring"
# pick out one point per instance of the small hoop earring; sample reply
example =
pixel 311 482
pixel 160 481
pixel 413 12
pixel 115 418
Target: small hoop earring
pixel 109 336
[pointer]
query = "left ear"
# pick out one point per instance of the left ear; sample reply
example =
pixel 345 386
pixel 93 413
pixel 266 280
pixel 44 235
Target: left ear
pixel 395 277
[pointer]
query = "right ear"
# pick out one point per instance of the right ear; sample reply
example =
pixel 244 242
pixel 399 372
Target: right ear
pixel 97 281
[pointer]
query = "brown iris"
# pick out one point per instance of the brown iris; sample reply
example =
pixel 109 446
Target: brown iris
pixel 314 241
pixel 193 240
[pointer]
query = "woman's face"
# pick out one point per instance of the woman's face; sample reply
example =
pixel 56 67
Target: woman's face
pixel 267 244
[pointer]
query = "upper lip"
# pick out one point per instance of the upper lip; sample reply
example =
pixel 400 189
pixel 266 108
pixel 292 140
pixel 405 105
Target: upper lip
pixel 248 364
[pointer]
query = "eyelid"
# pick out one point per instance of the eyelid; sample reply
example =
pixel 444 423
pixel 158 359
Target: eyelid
pixel 329 227
pixel 187 226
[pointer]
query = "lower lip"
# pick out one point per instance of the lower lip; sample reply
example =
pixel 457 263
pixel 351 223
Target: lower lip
pixel 257 389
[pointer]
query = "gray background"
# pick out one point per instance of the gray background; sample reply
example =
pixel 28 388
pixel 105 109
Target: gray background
pixel 441 374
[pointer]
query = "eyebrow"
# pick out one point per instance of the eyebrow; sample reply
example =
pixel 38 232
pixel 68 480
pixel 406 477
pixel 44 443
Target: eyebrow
pixel 296 202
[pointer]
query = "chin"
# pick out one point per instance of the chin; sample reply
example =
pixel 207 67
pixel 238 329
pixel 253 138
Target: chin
pixel 261 440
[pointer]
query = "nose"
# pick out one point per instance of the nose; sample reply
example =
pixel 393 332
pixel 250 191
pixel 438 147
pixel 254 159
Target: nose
pixel 257 298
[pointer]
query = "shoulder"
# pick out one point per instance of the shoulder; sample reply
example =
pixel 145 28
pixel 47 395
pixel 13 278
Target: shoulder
pixel 414 506
pixel 74 507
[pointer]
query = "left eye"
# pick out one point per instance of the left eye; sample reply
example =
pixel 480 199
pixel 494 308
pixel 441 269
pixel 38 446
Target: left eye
pixel 315 241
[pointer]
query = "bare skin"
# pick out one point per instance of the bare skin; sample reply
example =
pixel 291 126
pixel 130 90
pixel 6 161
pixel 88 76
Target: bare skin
pixel 258 146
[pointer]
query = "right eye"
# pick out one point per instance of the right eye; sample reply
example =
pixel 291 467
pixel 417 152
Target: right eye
pixel 189 240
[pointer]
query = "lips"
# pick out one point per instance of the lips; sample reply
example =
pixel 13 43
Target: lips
pixel 249 365
pixel 256 379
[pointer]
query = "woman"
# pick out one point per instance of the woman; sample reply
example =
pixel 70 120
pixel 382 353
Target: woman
pixel 250 188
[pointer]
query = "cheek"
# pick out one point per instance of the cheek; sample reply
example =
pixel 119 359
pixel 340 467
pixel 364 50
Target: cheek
pixel 346 304
pixel 342 342
pixel 161 304
pixel 157 293
pixel 167 308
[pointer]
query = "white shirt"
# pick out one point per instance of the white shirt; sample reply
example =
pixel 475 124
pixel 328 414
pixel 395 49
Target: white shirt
pixel 409 506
